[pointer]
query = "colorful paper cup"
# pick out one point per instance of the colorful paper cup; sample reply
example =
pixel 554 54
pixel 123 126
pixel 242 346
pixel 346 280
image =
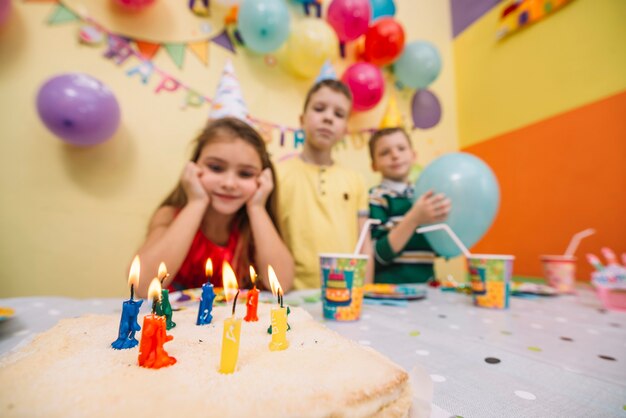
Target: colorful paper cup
pixel 490 279
pixel 343 277
pixel 560 272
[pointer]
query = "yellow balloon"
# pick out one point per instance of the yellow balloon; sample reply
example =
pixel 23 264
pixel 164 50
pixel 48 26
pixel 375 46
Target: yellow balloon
pixel 311 43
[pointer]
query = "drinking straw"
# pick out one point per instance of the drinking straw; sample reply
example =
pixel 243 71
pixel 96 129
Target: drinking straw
pixel 573 244
pixel 595 262
pixel 450 232
pixel 609 255
pixel 362 235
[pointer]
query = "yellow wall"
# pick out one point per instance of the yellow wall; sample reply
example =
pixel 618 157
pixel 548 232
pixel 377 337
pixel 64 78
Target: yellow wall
pixel 71 218
pixel 572 57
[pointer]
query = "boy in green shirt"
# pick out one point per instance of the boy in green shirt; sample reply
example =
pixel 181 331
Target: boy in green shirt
pixel 401 254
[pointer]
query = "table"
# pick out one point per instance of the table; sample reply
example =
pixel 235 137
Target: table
pixel 543 357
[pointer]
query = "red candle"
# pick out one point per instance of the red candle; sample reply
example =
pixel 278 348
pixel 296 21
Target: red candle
pixel 151 352
pixel 253 299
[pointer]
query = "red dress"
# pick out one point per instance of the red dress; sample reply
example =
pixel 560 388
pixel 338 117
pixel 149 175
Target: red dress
pixel 192 272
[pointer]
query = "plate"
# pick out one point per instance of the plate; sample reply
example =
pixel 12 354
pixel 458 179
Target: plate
pixel 526 288
pixel 394 291
pixel 6 313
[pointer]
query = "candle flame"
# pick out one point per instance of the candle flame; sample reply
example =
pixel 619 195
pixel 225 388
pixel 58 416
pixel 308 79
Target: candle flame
pixel 154 291
pixel 229 281
pixel 133 276
pixel 274 283
pixel 162 271
pixel 252 275
pixel 208 268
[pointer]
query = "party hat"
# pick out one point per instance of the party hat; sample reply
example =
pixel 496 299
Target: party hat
pixel 228 100
pixel 392 117
pixel 326 73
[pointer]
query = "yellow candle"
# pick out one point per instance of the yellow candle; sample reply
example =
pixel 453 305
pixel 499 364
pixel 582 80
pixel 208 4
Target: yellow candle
pixel 278 315
pixel 279 329
pixel 232 326
pixel 230 345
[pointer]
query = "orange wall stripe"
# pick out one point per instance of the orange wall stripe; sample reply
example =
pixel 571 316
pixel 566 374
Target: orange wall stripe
pixel 558 177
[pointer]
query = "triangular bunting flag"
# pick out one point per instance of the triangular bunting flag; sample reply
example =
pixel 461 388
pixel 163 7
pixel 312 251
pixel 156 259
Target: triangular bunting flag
pixel 200 7
pixel 147 49
pixel 61 15
pixel 201 50
pixel 176 53
pixel 223 40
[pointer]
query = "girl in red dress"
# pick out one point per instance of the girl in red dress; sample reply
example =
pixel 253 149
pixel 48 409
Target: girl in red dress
pixel 223 208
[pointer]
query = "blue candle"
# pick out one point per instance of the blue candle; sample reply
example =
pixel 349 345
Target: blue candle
pixel 130 309
pixel 206 300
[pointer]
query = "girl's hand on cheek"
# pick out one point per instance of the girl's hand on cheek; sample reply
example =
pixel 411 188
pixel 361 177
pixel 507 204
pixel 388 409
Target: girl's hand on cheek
pixel 191 181
pixel 265 187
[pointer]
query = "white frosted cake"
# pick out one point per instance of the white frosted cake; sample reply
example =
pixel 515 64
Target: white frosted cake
pixel 71 370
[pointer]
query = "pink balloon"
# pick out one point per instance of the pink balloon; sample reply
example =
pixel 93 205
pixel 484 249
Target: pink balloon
pixel 349 18
pixel 5 11
pixel 134 4
pixel 366 83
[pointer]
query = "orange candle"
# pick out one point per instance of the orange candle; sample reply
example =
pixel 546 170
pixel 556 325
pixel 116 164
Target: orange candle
pixel 253 299
pixel 151 352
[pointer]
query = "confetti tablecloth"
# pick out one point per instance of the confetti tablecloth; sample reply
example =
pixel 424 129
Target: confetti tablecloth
pixel 543 357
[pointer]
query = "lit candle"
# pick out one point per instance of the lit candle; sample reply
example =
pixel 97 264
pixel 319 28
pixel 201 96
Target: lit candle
pixel 253 299
pixel 165 308
pixel 279 315
pixel 130 309
pixel 232 326
pixel 151 352
pixel 206 300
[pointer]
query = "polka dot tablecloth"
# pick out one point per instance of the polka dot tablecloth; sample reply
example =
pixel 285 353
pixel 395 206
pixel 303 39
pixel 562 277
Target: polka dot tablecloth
pixel 543 357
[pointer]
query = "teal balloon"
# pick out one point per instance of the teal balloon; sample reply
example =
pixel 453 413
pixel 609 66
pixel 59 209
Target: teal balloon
pixel 418 66
pixel 382 8
pixel 475 195
pixel 263 24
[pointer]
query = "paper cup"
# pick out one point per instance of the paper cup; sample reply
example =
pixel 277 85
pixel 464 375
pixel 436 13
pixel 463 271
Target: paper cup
pixel 560 272
pixel 343 277
pixel 490 278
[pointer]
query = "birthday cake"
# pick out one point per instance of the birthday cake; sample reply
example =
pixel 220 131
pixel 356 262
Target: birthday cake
pixel 71 370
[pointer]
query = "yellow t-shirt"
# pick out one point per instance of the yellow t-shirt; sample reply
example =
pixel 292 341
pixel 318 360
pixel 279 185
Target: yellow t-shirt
pixel 318 213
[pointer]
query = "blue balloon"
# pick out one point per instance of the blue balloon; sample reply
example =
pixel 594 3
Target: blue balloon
pixel 263 24
pixel 473 189
pixel 418 66
pixel 382 8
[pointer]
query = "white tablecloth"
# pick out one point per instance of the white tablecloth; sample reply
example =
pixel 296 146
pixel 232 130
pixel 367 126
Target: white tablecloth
pixel 543 357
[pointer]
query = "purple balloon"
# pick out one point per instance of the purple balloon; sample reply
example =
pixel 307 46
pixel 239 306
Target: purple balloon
pixel 425 109
pixel 78 108
pixel 5 11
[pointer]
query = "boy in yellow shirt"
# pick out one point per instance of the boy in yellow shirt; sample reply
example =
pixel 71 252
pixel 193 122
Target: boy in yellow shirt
pixel 322 205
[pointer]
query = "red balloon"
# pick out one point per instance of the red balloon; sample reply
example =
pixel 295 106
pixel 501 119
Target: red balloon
pixel 384 41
